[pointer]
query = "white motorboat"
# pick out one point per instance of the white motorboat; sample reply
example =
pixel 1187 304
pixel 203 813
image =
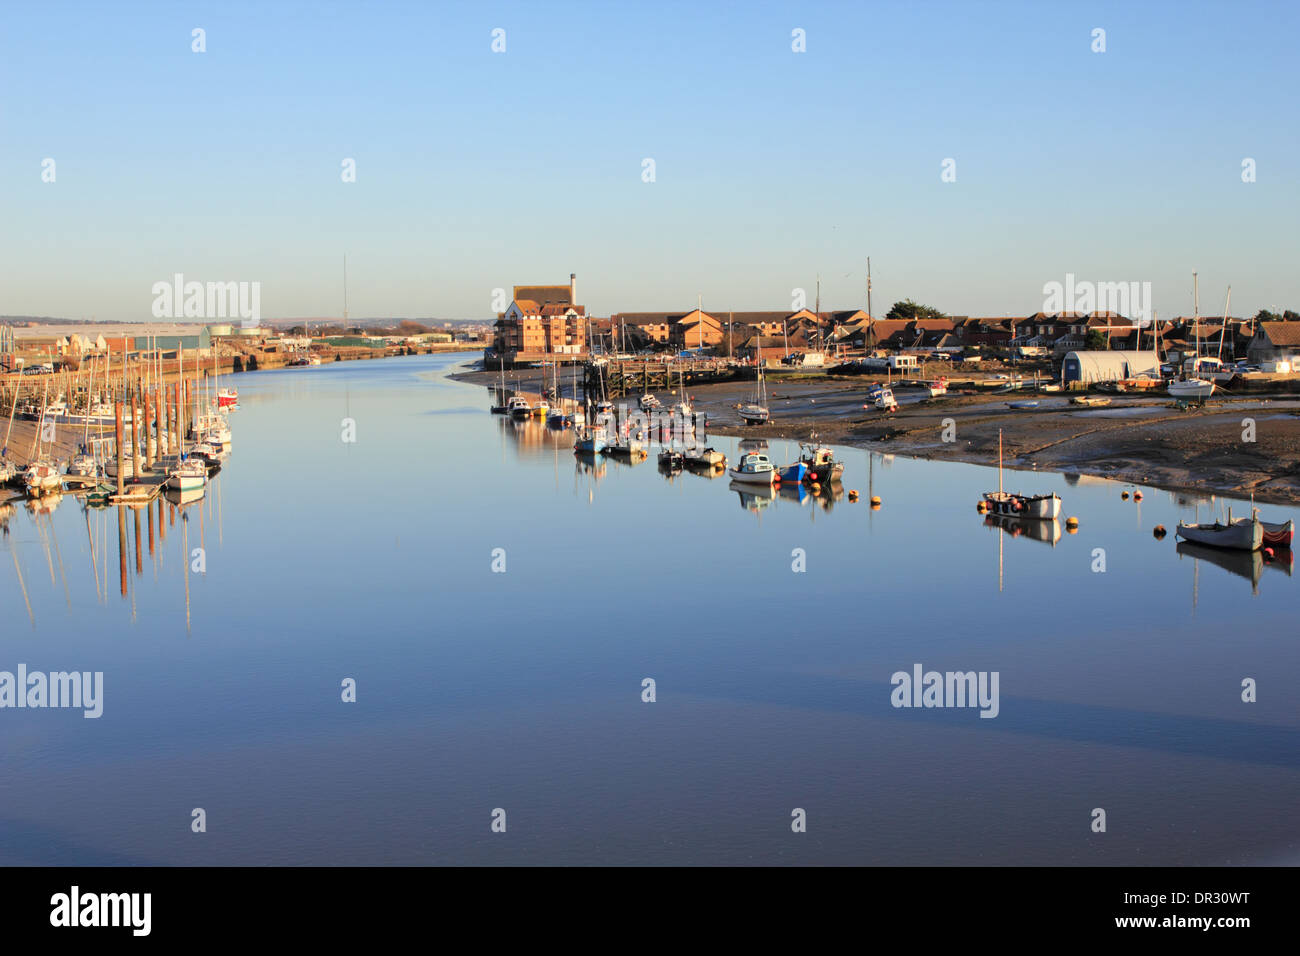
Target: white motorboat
pixel 1197 389
pixel 938 387
pixel 885 400
pixel 754 469
pixel 649 403
pixel 518 407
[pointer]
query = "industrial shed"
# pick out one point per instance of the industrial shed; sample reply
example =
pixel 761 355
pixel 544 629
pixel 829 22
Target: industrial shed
pixel 1091 367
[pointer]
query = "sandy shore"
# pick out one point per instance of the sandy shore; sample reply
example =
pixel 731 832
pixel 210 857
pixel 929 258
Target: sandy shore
pixel 1138 439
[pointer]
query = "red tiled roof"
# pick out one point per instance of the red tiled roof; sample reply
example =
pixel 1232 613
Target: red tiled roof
pixel 1281 333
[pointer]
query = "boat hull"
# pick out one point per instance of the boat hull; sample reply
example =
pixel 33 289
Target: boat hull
pixel 752 477
pixel 1034 507
pixel 1192 388
pixel 1244 534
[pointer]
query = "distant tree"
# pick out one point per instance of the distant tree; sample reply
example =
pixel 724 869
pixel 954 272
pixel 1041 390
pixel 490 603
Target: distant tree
pixel 1289 316
pixel 407 327
pixel 907 309
pixel 1266 316
pixel 1097 341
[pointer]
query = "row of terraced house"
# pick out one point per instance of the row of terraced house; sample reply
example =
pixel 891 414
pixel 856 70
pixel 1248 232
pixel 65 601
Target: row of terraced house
pixel 545 322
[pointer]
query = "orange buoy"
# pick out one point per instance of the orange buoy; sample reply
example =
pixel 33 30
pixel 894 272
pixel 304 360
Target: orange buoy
pixel 875 501
pixel 1072 522
pixel 1137 496
pixel 853 494
pixel 1159 531
pixel 982 507
pixel 1124 495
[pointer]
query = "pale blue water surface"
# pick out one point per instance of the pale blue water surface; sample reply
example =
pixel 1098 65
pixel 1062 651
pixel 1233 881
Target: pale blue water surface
pixel 522 690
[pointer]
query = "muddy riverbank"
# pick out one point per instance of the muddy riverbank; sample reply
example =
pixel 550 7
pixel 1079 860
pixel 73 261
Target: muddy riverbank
pixel 1234 445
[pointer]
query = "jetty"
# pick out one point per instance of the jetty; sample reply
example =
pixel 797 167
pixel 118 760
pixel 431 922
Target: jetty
pixel 619 378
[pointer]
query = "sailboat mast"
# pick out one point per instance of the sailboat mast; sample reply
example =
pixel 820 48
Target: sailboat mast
pixel 1224 327
pixel 1196 316
pixel 18 387
pixel 999 461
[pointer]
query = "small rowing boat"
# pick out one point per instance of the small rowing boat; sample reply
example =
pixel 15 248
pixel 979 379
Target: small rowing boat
pixel 1278 535
pixel 1244 534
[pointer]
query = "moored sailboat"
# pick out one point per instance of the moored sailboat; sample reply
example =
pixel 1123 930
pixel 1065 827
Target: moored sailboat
pixel 1036 507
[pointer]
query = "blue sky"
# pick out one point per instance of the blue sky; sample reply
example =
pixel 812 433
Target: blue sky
pixel 478 170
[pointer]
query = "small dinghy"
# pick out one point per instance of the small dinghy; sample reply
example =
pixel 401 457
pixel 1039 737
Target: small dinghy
pixel 754 469
pixel 670 460
pixel 884 401
pixel 1278 535
pixel 1244 534
pixel 1019 405
pixel 705 458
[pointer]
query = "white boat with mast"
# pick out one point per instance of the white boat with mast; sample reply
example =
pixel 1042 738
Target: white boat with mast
pixel 757 412
pixel 1036 507
pixel 1193 386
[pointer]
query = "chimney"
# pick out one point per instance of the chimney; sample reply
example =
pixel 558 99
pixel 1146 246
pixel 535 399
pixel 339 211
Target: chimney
pixel 573 288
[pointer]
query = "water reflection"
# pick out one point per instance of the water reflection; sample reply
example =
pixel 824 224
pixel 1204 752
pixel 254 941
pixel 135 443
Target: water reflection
pixel 315 585
pixel 1048 532
pixel 1244 564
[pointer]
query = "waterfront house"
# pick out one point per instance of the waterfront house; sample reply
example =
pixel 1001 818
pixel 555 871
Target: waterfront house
pixel 1275 342
pixel 541 321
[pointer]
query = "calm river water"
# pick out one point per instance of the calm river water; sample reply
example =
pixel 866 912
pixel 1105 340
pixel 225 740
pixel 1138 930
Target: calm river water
pixel 324 560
